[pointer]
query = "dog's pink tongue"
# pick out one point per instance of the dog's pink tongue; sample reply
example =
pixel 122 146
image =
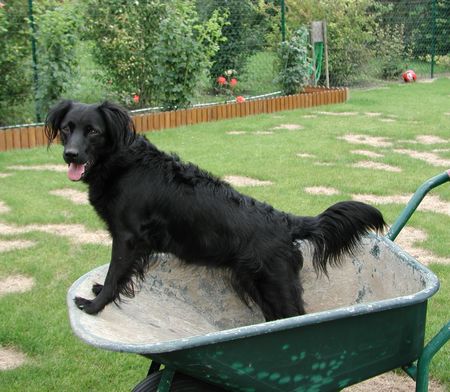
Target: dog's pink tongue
pixel 75 171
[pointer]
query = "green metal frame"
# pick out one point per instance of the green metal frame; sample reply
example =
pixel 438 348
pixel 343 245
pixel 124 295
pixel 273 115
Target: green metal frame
pixel 420 371
pixel 415 201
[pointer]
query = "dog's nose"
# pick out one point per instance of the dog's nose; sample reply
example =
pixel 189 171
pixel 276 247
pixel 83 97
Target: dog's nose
pixel 71 153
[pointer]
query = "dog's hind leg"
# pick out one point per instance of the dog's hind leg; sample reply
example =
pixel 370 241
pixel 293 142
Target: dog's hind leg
pixel 276 288
pixel 122 259
pixel 280 297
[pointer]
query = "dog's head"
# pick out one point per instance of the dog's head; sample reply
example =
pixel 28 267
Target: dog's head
pixel 89 133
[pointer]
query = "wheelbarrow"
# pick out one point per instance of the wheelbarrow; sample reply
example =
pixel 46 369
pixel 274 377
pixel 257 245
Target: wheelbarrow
pixel 366 318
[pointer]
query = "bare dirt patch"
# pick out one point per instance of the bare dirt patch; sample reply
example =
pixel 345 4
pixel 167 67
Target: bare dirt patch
pixel 312 116
pixel 15 284
pixel 372 114
pixel 77 234
pixel 305 155
pixel 388 120
pixel 431 158
pixel 321 190
pixel 338 114
pixel 289 127
pixel 235 133
pixel 4 175
pixel 321 163
pixel 245 181
pixel 367 153
pixel 4 209
pixel 11 358
pixel 377 166
pixel 430 139
pixel 426 80
pixel 391 382
pixel 56 168
pixel 263 133
pixel 6 246
pixel 431 203
pixel 76 197
pixel 408 239
pixel 374 141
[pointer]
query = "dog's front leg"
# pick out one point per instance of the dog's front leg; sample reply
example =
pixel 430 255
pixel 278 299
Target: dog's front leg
pixel 122 259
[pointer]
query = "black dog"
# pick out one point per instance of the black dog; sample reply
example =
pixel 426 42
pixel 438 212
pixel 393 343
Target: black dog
pixel 152 202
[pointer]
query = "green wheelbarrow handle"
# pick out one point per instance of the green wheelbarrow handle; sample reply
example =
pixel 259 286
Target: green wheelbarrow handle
pixel 415 201
pixel 420 371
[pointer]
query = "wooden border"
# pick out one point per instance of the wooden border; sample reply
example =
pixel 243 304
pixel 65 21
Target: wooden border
pixel 30 136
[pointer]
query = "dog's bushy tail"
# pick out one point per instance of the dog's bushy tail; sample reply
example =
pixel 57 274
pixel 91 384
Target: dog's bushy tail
pixel 336 231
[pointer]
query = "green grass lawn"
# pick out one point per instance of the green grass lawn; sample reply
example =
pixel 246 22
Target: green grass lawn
pixel 36 321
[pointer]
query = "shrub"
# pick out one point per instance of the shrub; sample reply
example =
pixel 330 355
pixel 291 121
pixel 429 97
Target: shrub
pixel 56 40
pixel 152 48
pixel 350 28
pixel 183 53
pixel 390 50
pixel 294 65
pixel 249 26
pixel 15 59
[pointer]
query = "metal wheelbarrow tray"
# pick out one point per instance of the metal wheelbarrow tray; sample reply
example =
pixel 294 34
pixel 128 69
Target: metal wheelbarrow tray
pixel 367 317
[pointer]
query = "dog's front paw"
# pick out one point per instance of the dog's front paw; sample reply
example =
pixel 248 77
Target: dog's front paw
pixel 85 305
pixel 96 288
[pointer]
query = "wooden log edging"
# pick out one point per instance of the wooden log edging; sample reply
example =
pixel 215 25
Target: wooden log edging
pixel 29 136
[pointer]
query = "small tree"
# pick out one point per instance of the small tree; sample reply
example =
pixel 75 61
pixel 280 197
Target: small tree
pixel 56 40
pixel 294 65
pixel 15 59
pixel 183 53
pixel 152 49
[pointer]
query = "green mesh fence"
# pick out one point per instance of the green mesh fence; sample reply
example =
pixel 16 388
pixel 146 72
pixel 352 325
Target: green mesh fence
pixel 169 54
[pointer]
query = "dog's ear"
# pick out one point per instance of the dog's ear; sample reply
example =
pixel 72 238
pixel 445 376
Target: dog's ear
pixel 118 122
pixel 54 119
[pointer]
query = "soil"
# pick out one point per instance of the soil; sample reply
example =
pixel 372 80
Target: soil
pixel 344 114
pixel 408 239
pixel 377 166
pixel 11 358
pixel 430 139
pixel 4 208
pixel 245 181
pixel 235 133
pixel 366 153
pixel 6 246
pixel 290 127
pixel 76 197
pixel 431 203
pixel 57 168
pixel 429 157
pixel 76 233
pixel 374 141
pixel 15 284
pixel 321 190
pixel 391 382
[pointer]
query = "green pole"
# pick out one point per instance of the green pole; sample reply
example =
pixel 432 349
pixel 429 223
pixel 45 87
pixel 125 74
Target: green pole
pixel 415 201
pixel 423 364
pixel 433 37
pixel 34 57
pixel 283 21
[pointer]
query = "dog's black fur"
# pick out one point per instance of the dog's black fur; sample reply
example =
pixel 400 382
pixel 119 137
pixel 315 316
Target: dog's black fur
pixel 152 202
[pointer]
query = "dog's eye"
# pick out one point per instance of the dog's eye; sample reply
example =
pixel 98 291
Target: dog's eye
pixel 65 129
pixel 93 131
